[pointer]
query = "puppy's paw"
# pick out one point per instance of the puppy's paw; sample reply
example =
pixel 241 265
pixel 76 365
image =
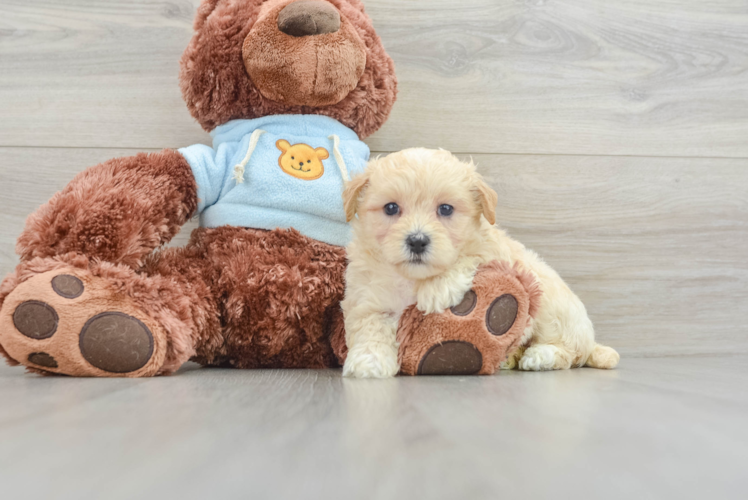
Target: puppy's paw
pixel 436 296
pixel 512 360
pixel 371 360
pixel 541 357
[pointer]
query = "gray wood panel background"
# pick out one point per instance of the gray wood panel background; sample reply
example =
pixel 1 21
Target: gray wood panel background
pixel 615 132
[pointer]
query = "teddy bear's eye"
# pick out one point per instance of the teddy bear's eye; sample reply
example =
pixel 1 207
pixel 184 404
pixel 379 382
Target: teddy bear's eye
pixel 293 158
pixel 309 161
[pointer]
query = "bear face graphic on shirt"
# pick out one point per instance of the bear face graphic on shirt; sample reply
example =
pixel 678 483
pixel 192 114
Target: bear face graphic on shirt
pixel 301 160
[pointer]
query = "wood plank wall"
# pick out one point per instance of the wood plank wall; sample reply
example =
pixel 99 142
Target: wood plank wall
pixel 615 132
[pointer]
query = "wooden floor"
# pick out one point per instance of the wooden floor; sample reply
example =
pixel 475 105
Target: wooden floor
pixel 653 429
pixel 616 134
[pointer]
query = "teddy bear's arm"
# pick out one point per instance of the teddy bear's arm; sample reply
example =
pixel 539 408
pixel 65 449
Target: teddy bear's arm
pixel 118 211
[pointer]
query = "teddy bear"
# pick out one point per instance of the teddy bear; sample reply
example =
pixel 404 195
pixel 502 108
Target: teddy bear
pixel 287 89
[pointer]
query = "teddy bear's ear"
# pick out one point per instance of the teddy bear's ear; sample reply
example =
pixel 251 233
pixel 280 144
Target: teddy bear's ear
pixel 206 7
pixel 350 195
pixel 487 198
pixel 322 153
pixel 283 145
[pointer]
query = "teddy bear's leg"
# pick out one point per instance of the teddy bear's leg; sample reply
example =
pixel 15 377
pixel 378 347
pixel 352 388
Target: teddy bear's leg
pixel 78 317
pixel 475 336
pixel 233 297
pixel 80 258
pixel 279 294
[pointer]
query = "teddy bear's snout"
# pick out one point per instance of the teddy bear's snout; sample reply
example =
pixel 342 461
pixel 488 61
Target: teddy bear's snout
pixel 304 53
pixel 309 17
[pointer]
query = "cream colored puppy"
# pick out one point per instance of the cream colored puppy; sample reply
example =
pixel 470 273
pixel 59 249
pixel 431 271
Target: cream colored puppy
pixel 425 223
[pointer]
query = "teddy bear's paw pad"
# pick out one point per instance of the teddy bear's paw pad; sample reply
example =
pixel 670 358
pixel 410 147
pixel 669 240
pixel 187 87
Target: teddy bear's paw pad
pixel 67 286
pixel 35 319
pixel 502 314
pixel 42 359
pixel 453 357
pixel 116 343
pixel 467 305
pixel 74 323
pixel 38 320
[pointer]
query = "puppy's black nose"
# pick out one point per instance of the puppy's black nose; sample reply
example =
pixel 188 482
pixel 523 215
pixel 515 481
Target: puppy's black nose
pixel 417 243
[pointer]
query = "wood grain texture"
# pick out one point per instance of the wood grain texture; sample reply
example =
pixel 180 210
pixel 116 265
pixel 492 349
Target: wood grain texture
pixel 630 77
pixel 655 247
pixel 633 77
pixel 654 428
pixel 92 73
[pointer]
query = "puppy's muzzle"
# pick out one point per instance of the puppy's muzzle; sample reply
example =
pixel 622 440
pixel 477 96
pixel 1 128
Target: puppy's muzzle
pixel 417 243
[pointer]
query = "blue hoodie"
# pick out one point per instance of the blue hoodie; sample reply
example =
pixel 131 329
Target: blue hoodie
pixel 278 171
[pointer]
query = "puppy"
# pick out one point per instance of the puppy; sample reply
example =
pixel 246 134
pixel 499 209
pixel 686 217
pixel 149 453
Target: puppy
pixel 422 223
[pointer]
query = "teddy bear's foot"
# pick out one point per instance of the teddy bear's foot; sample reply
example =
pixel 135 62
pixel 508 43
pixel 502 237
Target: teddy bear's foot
pixel 71 322
pixel 474 336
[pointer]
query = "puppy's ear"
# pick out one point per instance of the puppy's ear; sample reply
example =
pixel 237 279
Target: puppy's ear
pixel 350 195
pixel 487 198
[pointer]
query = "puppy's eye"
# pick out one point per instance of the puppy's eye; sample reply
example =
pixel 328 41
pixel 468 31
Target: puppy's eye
pixel 293 158
pixel 391 209
pixel 309 161
pixel 446 210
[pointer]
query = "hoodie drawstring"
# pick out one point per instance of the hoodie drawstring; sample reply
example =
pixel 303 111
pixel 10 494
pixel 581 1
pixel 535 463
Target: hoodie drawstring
pixel 339 157
pixel 239 169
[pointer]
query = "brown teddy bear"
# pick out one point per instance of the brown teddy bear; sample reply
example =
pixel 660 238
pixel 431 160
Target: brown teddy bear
pixel 287 88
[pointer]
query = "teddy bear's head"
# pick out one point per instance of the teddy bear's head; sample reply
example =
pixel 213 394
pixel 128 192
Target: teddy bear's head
pixel 253 58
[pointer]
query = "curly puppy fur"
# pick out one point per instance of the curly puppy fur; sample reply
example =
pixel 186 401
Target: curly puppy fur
pixel 385 274
pixel 217 88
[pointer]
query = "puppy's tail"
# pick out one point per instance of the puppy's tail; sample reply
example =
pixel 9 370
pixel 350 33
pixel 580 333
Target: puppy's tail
pixel 603 357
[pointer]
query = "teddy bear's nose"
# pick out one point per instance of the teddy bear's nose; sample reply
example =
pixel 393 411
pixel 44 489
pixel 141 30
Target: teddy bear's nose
pixel 308 17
